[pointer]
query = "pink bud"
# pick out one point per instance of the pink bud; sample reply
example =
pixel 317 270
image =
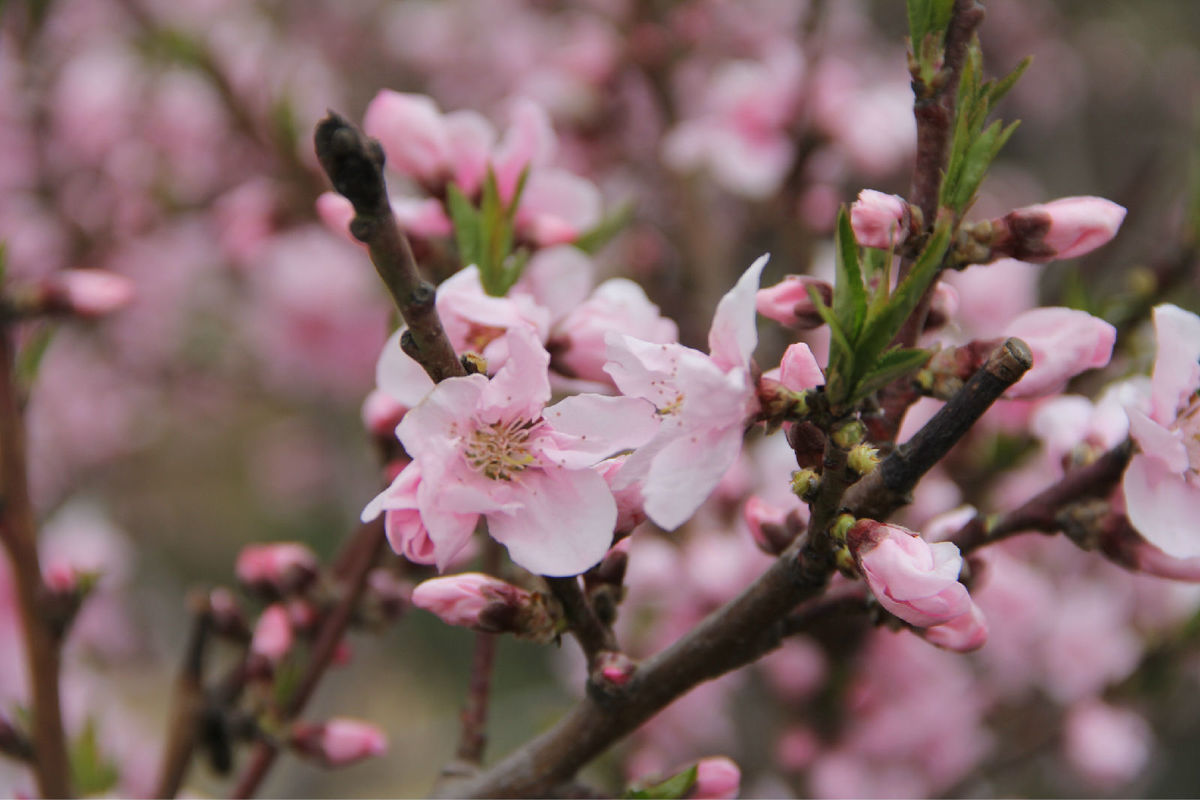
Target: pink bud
pixel 717 778
pixel 798 371
pixel 278 567
pixel 227 616
pixel 413 134
pixel 1064 228
pixel 60 578
pixel 879 220
pixel 272 635
pixel 614 669
pixel 339 742
pixel 916 581
pixel 381 413
pixel 962 634
pixel 471 600
pixel 788 302
pixel 1064 343
pixel 88 292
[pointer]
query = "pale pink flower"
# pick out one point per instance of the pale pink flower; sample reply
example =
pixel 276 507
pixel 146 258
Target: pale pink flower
pixel 339 742
pixel 1107 746
pixel 717 778
pixel 381 413
pixel 704 402
pixel 88 292
pixel 963 634
pixel 1162 483
pixel 1064 343
pixel 616 305
pixel 788 302
pixel 528 143
pixel 273 634
pixel 413 134
pixel 915 580
pixel 462 599
pixel 421 217
pixel 1064 228
pixel 280 566
pixel 489 447
pixel 879 220
pixel 557 207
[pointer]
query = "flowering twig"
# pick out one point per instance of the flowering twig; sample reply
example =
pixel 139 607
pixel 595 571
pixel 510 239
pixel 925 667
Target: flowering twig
pixel 354 164
pixel 473 737
pixel 18 530
pixel 365 548
pixel 188 703
pixel 593 636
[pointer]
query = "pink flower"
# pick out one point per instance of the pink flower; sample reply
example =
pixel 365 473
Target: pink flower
pixel 272 635
pixel 1064 343
pixel 798 371
pixel 339 742
pixel 616 305
pixel 281 567
pixel 87 292
pixel 1064 228
pixel 717 778
pixel 963 634
pixel 1162 483
pixel 788 302
pixel 413 134
pixel 879 220
pixel 1107 746
pixel 557 207
pixel 489 447
pixel 915 580
pixel 704 401
pixel 463 599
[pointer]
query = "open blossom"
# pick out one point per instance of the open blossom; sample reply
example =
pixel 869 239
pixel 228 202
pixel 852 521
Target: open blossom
pixel 1064 343
pixel 879 220
pixel 704 402
pixel 489 447
pixel 1064 228
pixel 1162 482
pixel 915 580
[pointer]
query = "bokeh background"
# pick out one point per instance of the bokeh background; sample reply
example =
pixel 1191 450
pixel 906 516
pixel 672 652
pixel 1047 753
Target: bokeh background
pixel 169 141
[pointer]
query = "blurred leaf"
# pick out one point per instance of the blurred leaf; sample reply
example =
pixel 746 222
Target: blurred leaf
pixel 673 788
pixel 91 772
pixel 468 233
pixel 29 357
pixel 928 16
pixel 849 294
pixel 591 241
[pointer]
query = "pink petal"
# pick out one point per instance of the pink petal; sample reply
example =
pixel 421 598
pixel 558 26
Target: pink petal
pixel 411 129
pixel 558 278
pixel 529 142
pixel 733 335
pixel 400 377
pixel 1162 506
pixel 1177 364
pixel 431 427
pixel 564 526
pixel 798 370
pixel 1064 342
pixel 684 473
pixel 469 141
pixel 1158 442
pixel 522 386
pixel 590 428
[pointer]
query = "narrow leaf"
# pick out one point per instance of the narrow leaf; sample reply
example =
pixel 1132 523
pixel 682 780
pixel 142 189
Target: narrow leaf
pixel 592 240
pixel 467 233
pixel 849 293
pixel 841 353
pixel 1001 87
pixel 891 365
pixel 673 788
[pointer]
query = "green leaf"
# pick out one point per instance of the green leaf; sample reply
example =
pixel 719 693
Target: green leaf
pixel 468 233
pixel 979 156
pixel 890 366
pixel 841 351
pixel 849 294
pixel 591 241
pixel 91 772
pixel 997 89
pixel 29 357
pixel 673 788
pixel 928 16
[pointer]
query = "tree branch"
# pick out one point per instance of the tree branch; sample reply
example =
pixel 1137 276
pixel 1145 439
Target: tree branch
pixel 18 530
pixel 593 636
pixel 187 706
pixel 354 164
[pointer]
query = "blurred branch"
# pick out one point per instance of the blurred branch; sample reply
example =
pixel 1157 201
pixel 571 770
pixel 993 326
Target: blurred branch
pixel 366 546
pixel 354 164
pixel 18 530
pixel 187 706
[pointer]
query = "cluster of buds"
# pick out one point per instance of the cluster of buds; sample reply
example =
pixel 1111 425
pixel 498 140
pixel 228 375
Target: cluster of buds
pixel 489 605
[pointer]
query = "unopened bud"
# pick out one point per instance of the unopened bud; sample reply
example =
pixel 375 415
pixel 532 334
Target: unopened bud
pixel 717 778
pixel 863 459
pixel 772 528
pixel 272 635
pixel 86 292
pixel 613 670
pixel 1064 228
pixel 880 220
pixel 808 443
pixel 483 603
pixel 338 742
pixel 805 483
pixel 848 434
pixel 276 569
pixel 790 303
pixel 227 617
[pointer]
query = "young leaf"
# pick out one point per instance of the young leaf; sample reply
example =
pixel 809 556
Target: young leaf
pixel 841 351
pixel 591 241
pixel 468 235
pixel 849 294
pixel 91 772
pixel 675 787
pixel 928 16
pixel 890 366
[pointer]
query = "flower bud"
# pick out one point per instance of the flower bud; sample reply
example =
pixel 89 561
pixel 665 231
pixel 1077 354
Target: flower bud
pixel 808 443
pixel 798 370
pixel 86 293
pixel 1064 342
pixel 272 635
pixel 915 580
pixel 863 459
pixel 805 483
pixel 1064 228
pixel 789 302
pixel 880 220
pixel 717 778
pixel 964 633
pixel 276 569
pixel 338 742
pixel 613 670
pixel 483 603
pixel 773 528
pixel 227 617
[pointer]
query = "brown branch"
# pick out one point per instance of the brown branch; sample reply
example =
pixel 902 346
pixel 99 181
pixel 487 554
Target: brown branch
pixel 187 706
pixel 18 529
pixel 328 638
pixel 593 636
pixel 473 738
pixel 354 164
pixel 1041 512
pixel 888 487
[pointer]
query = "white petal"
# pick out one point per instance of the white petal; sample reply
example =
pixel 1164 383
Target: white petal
pixel 399 376
pixel 685 473
pixel 1163 507
pixel 734 332
pixel 593 427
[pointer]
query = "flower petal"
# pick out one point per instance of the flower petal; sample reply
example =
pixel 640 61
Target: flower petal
pixel 1163 507
pixel 684 473
pixel 734 333
pixel 399 376
pixel 1177 364
pixel 591 427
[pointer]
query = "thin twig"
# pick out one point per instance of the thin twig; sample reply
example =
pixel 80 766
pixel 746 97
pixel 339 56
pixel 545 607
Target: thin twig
pixel 354 164
pixel 18 530
pixel 472 739
pixel 187 706
pixel 330 636
pixel 593 636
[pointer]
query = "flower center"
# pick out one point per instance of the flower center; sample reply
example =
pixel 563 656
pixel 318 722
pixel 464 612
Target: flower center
pixel 501 449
